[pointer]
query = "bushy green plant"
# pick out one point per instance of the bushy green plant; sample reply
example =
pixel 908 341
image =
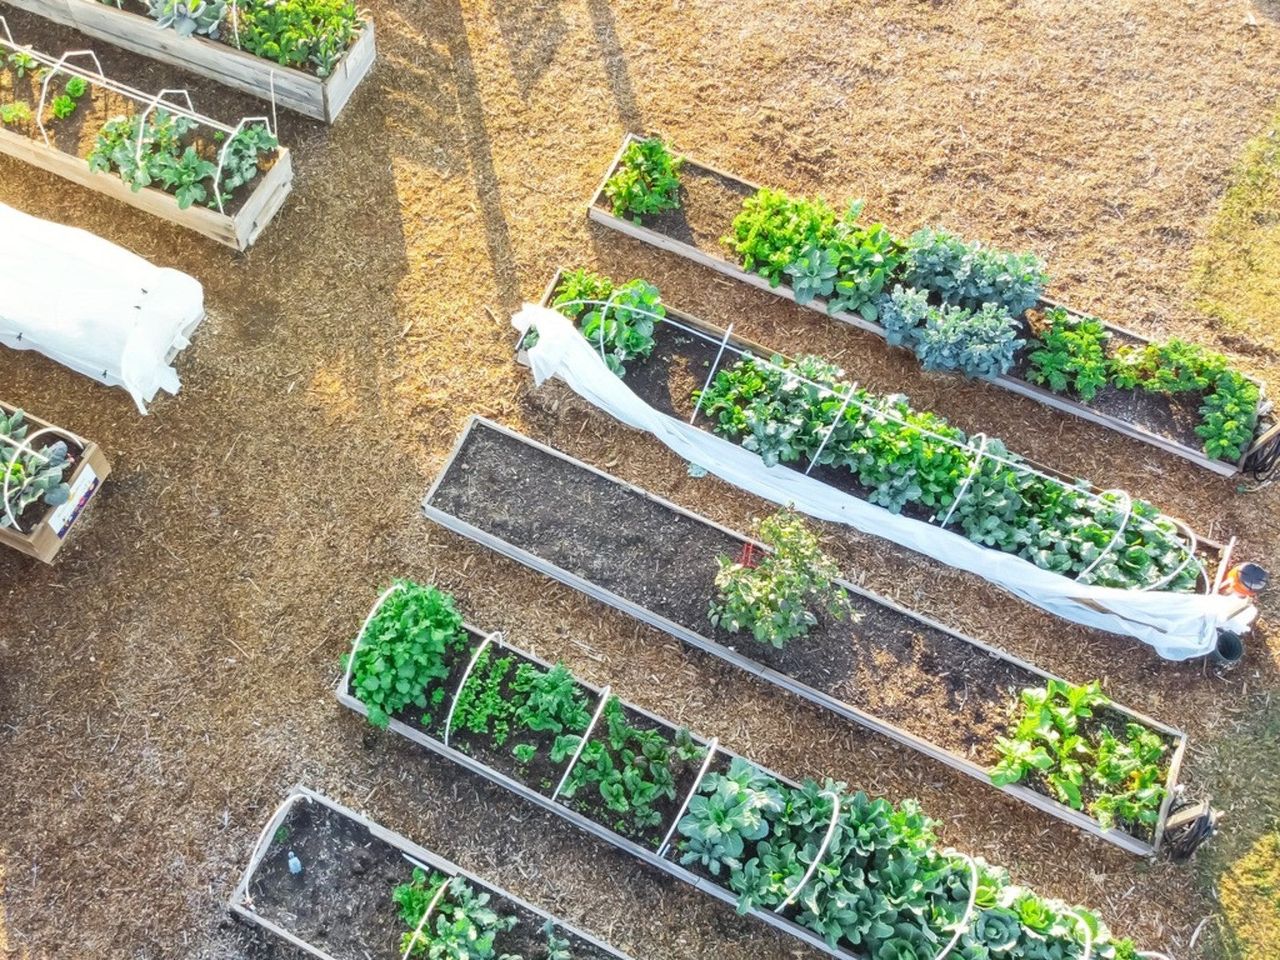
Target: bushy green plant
pixel 1229 416
pixel 462 927
pixel 866 259
pixel 62 106
pixel 773 229
pixel 976 343
pixel 782 410
pixel 968 274
pixel 244 157
pixel 22 63
pixel 17 112
pixel 187 17
pixel 1047 742
pixel 773 598
pixel 306 34
pixel 1070 356
pixel 727 812
pixel 32 476
pixel 552 700
pixel 647 180
pixel 481 706
pixel 621 330
pixel 76 87
pixel 406 650
pixel 903 311
pixel 632 770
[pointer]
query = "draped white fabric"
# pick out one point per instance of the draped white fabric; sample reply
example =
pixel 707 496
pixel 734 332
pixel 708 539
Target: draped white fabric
pixel 93 306
pixel 1178 625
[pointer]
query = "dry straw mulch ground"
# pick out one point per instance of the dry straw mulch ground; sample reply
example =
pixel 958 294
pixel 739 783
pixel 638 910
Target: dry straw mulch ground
pixel 171 677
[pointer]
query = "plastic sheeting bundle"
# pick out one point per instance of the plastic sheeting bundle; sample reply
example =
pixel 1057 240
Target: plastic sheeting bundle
pixel 1178 625
pixel 93 306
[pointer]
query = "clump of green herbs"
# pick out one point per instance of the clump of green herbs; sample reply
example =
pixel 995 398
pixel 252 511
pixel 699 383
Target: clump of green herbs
pixel 618 321
pixel 774 598
pixel 405 652
pixel 1119 780
pixel 647 180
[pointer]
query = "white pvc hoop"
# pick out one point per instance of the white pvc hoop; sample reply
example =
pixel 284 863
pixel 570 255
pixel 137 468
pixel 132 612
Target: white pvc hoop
pixel 711 373
pixel 426 914
pixel 887 414
pixel 1088 934
pixel 968 480
pixel 712 746
pixel 813 461
pixel 260 848
pixel 817 857
pixel 21 447
pixel 966 920
pixel 355 646
pixel 1115 537
pixel 155 102
pixel 495 637
pixel 582 744
pixel 222 154
pixel 1153 955
pixel 49 75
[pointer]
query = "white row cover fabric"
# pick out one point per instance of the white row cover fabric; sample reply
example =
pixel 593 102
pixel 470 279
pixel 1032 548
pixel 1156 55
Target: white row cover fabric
pixel 93 306
pixel 1178 625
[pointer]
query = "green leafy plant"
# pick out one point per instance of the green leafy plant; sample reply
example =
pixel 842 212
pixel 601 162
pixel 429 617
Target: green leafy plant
pixel 976 343
pixel 184 175
pixel 557 946
pixel 22 63
pixel 462 927
pixel 1070 356
pixel 773 598
pixel 647 180
pixel 1229 416
pixel 968 274
pixel 33 475
pixel 773 230
pixel 406 649
pixel 163 141
pixel 243 157
pixel 481 706
pixel 553 702
pixel 62 106
pixel 726 814
pixel 617 321
pixel 76 87
pixel 1048 743
pixel 187 17
pixel 306 34
pixel 16 112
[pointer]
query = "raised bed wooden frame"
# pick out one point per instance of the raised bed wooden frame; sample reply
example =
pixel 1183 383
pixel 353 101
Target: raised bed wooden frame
pixel 1219 553
pixel 600 213
pixel 238 230
pixel 46 538
pixel 290 87
pixel 655 859
pixel 1077 818
pixel 241 904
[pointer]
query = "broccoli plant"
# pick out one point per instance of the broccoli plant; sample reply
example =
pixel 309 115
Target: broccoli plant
pixel 647 181
pixel 1070 355
pixel 773 598
pixel 969 275
pixel 617 321
pixel 243 157
pixel 977 343
pixel 187 17
pixel 32 475
pixel 406 650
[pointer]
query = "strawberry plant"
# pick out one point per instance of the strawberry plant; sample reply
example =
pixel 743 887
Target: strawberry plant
pixel 647 181
pixel 34 476
pixel 405 651
pixel 1070 356
pixel 1048 743
pixel 617 321
pixel 772 598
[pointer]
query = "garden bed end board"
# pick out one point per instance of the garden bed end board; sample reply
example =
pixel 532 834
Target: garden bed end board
pixel 298 90
pixel 580 820
pixel 599 211
pixel 1077 818
pixel 45 539
pixel 241 904
pixel 238 231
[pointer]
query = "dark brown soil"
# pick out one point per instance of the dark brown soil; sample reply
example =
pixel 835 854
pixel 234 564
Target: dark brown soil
pixel 709 201
pixel 892 666
pixel 341 902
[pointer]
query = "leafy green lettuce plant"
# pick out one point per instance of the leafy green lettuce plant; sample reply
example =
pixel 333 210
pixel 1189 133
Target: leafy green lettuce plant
pixel 647 180
pixel 304 34
pixel 773 597
pixel 406 650
pixel 621 330
pixel 32 476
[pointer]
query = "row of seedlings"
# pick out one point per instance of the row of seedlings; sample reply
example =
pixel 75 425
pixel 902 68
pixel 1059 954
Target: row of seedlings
pixel 151 151
pixel 957 305
pixel 49 477
pixel 306 55
pixel 804 414
pixel 1062 748
pixel 338 886
pixel 853 876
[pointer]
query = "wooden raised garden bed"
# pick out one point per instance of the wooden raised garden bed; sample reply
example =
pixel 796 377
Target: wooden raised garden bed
pixel 541 780
pixel 219 60
pixel 586 535
pixel 42 530
pixel 711 198
pixel 65 153
pixel 340 908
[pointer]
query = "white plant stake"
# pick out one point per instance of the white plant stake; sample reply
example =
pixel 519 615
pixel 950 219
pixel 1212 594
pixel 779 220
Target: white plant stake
pixel 813 461
pixel 968 480
pixel 222 154
pixel 1088 934
pixel 711 373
